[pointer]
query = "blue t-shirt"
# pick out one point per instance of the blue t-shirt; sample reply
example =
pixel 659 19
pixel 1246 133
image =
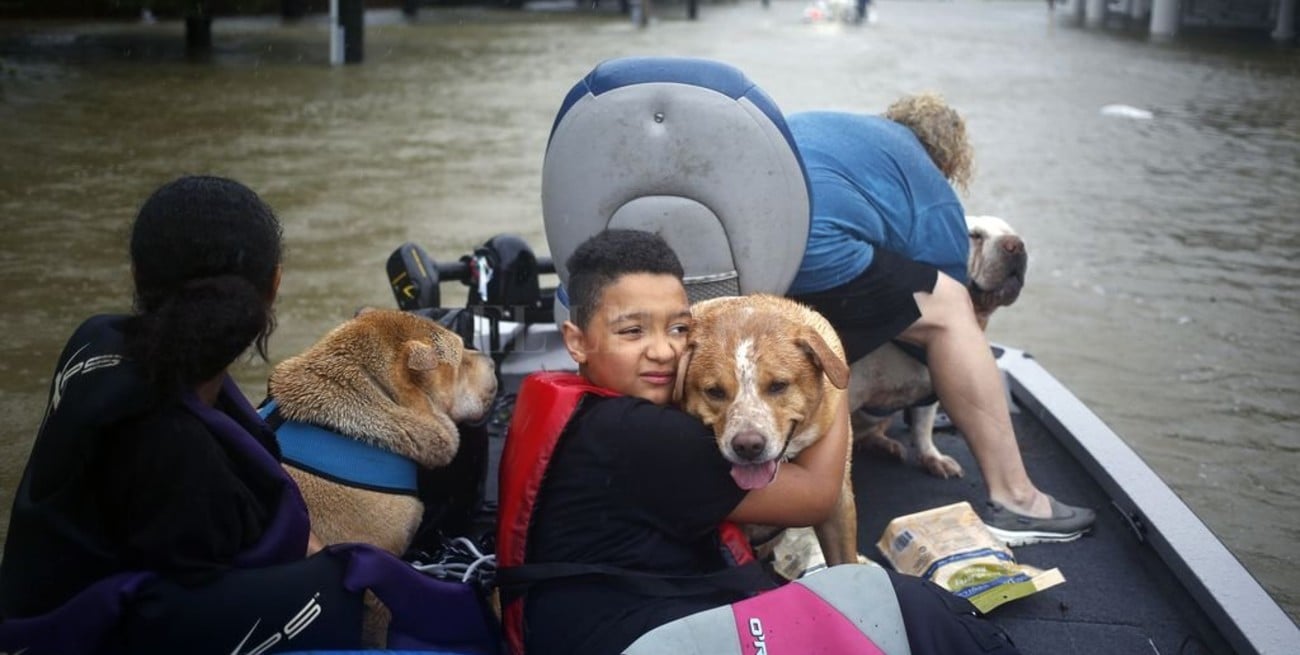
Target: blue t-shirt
pixel 873 186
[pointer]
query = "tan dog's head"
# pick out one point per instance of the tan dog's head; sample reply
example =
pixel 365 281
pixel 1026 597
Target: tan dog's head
pixel 997 265
pixel 390 378
pixel 758 374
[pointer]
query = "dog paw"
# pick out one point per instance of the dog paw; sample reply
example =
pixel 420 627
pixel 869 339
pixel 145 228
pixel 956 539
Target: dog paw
pixel 941 466
pixel 886 446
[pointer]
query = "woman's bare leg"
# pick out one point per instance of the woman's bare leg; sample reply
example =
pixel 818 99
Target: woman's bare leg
pixel 968 383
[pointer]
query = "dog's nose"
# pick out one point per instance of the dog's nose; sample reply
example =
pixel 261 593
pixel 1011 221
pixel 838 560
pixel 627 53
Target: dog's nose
pixel 1013 245
pixel 748 445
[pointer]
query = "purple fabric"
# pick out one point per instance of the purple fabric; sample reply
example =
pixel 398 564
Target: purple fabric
pixel 285 539
pixel 427 613
pixel 79 625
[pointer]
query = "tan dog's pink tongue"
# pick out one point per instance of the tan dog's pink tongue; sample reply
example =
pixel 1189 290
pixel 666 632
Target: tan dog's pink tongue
pixel 754 476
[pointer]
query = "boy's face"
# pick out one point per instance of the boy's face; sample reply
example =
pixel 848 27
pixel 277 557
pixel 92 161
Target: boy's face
pixel 634 337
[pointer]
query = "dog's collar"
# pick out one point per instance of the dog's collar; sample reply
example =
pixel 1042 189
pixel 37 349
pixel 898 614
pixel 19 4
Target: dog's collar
pixel 341 459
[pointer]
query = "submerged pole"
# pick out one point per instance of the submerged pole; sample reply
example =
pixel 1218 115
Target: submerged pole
pixel 1164 18
pixel 1285 21
pixel 293 9
pixel 1074 11
pixel 347 31
pixel 1094 13
pixel 641 10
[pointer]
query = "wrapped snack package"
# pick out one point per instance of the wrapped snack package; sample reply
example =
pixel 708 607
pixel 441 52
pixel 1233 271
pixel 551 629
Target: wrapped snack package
pixel 951 547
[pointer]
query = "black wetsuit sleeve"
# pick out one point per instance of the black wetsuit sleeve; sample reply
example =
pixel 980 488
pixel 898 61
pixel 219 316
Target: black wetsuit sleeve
pixel 176 500
pixel 670 466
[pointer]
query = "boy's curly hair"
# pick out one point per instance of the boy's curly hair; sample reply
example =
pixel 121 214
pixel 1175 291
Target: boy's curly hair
pixel 607 256
pixel 941 130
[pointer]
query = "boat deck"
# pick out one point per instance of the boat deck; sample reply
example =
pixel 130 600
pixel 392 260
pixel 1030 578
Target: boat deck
pixel 1119 596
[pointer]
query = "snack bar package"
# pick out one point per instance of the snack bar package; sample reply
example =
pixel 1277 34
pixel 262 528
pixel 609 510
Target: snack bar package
pixel 950 546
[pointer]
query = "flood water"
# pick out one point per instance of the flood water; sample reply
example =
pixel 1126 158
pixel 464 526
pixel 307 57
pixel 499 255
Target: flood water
pixel 1164 286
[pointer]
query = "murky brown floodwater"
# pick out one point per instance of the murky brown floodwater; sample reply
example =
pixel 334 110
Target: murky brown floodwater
pixel 1164 286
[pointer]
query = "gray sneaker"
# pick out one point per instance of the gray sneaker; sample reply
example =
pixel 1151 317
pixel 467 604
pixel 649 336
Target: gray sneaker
pixel 1066 524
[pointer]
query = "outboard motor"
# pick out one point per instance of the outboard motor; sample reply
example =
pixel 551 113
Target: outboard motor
pixel 690 149
pixel 504 278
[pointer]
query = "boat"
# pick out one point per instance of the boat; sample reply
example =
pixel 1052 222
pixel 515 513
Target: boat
pixel 1149 578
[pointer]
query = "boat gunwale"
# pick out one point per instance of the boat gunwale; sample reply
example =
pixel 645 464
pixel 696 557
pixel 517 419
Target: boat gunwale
pixel 1242 611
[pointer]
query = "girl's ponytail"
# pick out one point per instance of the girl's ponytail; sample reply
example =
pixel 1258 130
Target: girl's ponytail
pixel 196 333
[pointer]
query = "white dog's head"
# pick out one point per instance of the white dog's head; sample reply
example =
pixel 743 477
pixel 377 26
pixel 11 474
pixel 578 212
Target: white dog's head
pixel 998 261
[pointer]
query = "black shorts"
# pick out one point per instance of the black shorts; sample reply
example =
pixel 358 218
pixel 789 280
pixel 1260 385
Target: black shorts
pixel 875 306
pixel 939 622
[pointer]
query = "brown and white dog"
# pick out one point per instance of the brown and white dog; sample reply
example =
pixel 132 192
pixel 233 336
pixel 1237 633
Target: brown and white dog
pixel 766 373
pixel 393 380
pixel 888 380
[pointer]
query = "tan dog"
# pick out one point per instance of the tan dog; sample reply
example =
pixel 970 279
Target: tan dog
pixel 766 373
pixel 396 381
pixel 392 380
pixel 888 380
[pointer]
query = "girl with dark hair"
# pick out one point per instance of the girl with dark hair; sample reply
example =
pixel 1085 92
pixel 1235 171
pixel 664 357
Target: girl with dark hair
pixel 154 515
pixel 205 255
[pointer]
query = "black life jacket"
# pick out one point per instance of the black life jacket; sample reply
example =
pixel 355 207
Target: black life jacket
pixel 95 385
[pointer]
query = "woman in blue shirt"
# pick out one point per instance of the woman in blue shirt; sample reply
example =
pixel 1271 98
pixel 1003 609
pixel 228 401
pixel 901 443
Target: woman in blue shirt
pixel 886 259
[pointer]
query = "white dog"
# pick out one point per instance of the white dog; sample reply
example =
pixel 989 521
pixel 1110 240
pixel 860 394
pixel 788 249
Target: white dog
pixel 888 379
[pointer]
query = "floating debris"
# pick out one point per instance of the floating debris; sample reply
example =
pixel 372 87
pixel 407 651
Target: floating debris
pixel 1126 111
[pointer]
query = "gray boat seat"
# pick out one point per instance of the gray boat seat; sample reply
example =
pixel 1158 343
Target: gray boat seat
pixel 690 149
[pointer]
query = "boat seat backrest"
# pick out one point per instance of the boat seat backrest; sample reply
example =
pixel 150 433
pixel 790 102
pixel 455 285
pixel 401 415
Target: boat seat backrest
pixel 690 149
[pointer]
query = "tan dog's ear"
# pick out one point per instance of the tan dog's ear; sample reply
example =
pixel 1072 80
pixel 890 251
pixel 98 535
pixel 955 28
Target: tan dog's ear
pixel 447 348
pixel 420 356
pixel 831 364
pixel 683 363
pixel 364 310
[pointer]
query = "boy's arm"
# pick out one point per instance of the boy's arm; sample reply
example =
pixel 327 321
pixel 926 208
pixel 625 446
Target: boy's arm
pixel 805 489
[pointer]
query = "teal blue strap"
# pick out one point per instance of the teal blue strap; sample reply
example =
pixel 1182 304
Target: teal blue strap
pixel 341 459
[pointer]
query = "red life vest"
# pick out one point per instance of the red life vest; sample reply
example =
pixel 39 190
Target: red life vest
pixel 543 407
